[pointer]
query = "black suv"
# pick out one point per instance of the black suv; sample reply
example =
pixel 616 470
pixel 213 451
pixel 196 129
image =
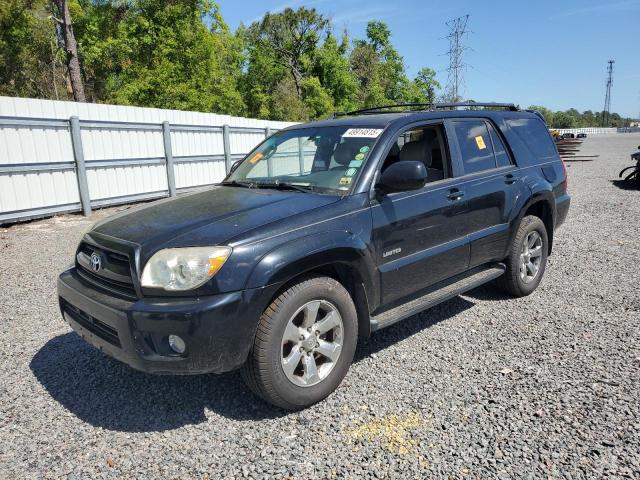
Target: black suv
pixel 324 233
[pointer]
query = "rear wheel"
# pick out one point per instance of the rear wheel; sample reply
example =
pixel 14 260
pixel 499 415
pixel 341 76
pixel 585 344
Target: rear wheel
pixel 527 258
pixel 304 345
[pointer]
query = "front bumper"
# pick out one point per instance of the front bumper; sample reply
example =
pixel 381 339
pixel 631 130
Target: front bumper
pixel 218 330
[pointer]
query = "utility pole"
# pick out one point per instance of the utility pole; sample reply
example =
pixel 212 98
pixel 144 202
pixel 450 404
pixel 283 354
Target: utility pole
pixel 607 95
pixel 455 79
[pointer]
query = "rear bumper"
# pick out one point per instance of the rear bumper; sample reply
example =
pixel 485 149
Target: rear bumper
pixel 562 209
pixel 218 330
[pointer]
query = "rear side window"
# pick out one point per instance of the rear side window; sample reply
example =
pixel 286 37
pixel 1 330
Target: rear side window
pixel 502 157
pixel 535 136
pixel 475 145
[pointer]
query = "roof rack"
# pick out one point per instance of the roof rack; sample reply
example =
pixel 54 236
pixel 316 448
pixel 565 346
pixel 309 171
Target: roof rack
pixel 421 107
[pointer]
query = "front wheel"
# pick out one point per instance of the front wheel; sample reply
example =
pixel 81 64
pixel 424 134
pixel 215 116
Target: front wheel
pixel 304 345
pixel 527 258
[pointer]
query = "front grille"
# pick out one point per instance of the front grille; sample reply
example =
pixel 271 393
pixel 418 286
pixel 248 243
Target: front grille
pixel 115 275
pixel 95 326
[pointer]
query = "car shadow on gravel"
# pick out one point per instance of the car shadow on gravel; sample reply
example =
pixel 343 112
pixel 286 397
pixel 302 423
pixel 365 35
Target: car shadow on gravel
pixel 487 292
pixel 108 394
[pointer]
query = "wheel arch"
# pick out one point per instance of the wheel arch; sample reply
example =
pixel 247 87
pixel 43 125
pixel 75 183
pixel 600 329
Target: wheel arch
pixel 338 255
pixel 541 205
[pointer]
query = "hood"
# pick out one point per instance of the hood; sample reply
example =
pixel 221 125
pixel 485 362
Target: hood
pixel 210 217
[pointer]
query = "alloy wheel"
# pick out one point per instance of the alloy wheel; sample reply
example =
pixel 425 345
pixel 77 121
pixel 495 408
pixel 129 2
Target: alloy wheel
pixel 530 256
pixel 312 343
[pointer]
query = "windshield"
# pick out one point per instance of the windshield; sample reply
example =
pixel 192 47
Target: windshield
pixel 321 159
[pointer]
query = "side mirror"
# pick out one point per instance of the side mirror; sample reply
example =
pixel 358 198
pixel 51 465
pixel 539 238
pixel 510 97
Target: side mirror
pixel 403 176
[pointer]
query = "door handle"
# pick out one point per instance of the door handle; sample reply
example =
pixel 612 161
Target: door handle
pixel 510 178
pixel 455 194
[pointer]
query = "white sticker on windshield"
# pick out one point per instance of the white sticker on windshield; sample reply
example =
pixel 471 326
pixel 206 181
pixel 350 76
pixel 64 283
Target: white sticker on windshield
pixel 363 132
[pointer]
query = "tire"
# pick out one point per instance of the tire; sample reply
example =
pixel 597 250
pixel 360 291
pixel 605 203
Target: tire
pixel 513 282
pixel 294 389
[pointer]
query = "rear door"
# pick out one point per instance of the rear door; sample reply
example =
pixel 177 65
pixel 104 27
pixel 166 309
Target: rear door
pixel 418 236
pixel 492 184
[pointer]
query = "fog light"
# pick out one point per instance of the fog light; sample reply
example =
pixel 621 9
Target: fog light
pixel 177 344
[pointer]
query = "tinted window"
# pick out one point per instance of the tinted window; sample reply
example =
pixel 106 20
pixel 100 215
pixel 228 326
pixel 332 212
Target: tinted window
pixel 475 145
pixel 422 144
pixel 502 157
pixel 325 159
pixel 535 136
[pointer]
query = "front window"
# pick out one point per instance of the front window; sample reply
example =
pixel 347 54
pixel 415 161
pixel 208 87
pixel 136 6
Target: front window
pixel 321 159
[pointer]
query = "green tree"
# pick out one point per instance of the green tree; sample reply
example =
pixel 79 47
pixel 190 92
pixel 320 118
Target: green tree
pixel 390 67
pixel 160 54
pixel 284 51
pixel 365 66
pixel 316 99
pixel 546 113
pixel 425 85
pixel 30 58
pixel 331 67
pixel 563 120
pixel 181 54
pixel 291 37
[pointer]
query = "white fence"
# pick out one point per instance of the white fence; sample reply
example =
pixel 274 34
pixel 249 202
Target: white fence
pixel 598 130
pixel 64 156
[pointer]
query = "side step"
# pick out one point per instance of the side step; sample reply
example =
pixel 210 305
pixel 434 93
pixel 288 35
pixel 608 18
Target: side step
pixel 438 294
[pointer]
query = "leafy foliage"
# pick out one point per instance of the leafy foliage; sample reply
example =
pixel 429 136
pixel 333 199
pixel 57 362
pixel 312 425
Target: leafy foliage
pixel 30 59
pixel 181 54
pixel 572 118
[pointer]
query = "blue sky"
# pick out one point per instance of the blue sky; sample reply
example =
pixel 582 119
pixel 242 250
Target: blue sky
pixel 551 53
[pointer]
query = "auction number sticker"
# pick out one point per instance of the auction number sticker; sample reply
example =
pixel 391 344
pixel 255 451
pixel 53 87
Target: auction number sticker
pixel 480 142
pixel 363 132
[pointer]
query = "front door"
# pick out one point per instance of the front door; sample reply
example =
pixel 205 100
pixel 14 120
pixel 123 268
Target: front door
pixel 418 236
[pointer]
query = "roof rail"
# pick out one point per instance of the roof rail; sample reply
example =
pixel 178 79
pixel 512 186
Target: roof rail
pixel 421 107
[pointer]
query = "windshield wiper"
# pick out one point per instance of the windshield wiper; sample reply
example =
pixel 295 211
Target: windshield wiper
pixel 280 185
pixel 277 184
pixel 236 183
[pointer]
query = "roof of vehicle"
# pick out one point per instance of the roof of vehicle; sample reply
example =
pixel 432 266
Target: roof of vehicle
pixel 382 117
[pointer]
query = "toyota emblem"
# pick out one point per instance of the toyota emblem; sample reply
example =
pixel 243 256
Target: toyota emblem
pixel 96 262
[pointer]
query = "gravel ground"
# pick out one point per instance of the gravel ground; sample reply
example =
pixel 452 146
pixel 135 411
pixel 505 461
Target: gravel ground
pixel 482 386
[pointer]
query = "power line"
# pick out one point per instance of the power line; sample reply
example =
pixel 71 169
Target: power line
pixel 607 95
pixel 455 79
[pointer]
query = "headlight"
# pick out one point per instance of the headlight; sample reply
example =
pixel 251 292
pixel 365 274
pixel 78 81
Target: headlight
pixel 183 268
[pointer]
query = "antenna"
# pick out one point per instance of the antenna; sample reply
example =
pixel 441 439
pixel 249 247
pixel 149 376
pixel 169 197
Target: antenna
pixel 607 96
pixel 455 80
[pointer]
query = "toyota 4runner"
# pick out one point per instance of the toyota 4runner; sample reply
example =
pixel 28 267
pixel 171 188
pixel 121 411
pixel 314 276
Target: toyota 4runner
pixel 324 233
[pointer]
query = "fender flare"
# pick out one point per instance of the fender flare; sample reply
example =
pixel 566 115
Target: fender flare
pixel 303 254
pixel 542 195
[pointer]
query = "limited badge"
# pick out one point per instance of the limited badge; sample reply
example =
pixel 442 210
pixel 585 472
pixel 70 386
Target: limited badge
pixel 345 181
pixel 364 149
pixel 359 156
pixel 480 142
pixel 351 172
pixel 355 163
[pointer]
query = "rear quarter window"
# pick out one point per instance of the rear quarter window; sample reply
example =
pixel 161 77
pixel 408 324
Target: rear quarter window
pixel 475 146
pixel 535 136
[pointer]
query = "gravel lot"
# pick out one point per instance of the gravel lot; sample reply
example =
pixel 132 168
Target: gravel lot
pixel 482 386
